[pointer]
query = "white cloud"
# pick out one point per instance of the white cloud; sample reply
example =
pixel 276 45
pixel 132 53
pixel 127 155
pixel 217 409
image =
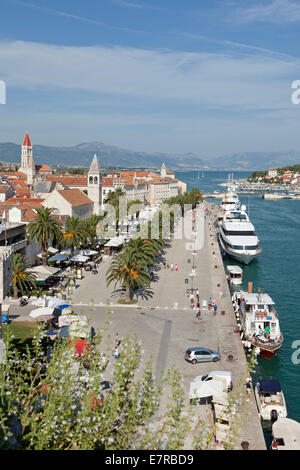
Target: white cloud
pixel 210 80
pixel 275 11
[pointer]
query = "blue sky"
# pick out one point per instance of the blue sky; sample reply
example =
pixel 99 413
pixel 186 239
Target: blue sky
pixel 209 77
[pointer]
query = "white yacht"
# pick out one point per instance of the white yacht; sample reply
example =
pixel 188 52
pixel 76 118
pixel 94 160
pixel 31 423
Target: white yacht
pixel 259 321
pixel 234 275
pixel 286 434
pixel 231 200
pixel 237 236
pixel 270 400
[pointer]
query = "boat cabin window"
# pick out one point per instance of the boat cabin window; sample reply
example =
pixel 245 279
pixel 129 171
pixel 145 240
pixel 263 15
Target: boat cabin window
pixel 248 308
pixel 260 307
pixel 250 247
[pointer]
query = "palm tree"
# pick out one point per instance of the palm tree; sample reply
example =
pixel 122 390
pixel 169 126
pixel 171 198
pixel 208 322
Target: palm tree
pixel 22 277
pixel 43 229
pixel 130 270
pixel 89 227
pixel 146 250
pixel 74 234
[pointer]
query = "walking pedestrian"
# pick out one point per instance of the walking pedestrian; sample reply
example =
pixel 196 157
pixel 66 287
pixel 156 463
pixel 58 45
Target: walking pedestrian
pixel 215 308
pixel 198 294
pixel 116 352
pixel 176 267
pixel 118 340
pixel 198 313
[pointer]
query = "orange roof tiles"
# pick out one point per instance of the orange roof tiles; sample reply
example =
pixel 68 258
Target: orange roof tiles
pixel 75 197
pixel 69 180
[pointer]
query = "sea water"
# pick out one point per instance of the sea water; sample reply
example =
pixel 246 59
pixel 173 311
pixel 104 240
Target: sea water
pixel 275 271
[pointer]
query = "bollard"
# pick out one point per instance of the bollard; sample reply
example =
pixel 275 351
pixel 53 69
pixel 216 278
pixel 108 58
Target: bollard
pixel 230 357
pixel 223 312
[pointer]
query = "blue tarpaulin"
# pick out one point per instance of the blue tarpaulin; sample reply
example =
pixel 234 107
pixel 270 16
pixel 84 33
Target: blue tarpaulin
pixel 269 386
pixel 62 307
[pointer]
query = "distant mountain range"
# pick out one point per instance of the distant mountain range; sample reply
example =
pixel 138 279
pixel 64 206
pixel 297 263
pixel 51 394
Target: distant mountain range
pixel 111 156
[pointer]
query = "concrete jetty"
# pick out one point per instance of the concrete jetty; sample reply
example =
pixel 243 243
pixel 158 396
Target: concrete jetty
pixel 280 196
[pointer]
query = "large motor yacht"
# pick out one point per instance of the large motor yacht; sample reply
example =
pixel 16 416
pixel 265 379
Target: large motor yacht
pixel 237 236
pixel 231 200
pixel 259 321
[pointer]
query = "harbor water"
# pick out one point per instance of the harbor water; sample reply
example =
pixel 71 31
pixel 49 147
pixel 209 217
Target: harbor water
pixel 275 271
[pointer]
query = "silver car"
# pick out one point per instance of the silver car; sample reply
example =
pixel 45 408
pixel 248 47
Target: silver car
pixel 200 354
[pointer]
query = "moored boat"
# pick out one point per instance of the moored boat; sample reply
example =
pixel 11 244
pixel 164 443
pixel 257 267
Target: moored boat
pixel 234 275
pixel 237 236
pixel 270 399
pixel 259 321
pixel 286 434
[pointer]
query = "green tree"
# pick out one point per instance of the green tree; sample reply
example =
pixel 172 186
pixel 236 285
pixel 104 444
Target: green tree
pixel 23 278
pixel 74 234
pixel 43 229
pixel 129 269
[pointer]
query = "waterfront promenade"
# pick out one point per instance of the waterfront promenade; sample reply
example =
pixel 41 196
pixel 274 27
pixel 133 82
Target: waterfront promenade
pixel 166 324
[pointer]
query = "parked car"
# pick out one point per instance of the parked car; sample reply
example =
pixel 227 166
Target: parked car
pixel 224 375
pixel 200 354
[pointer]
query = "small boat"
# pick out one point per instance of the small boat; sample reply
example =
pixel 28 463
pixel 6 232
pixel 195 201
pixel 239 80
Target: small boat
pixel 258 320
pixel 286 434
pixel 270 399
pixel 234 275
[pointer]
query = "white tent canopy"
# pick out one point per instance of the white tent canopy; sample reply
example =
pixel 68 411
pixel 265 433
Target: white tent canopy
pixel 116 241
pixel 88 252
pixel 205 389
pixel 79 258
pixel 51 251
pixel 40 312
pixel 43 272
pixel 68 252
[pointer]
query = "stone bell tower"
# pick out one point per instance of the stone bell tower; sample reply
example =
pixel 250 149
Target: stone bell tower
pixel 95 185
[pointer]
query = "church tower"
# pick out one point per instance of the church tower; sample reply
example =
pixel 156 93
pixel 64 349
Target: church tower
pixel 27 162
pixel 163 171
pixel 95 185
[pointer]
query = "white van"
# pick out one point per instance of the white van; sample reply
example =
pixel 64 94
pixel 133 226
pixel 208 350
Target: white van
pixel 223 375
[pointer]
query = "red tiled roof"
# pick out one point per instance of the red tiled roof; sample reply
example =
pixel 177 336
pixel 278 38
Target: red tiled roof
pixel 75 197
pixel 69 180
pixel 27 140
pixel 41 168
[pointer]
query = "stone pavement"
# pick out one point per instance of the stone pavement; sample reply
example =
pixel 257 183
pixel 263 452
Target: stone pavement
pixel 167 325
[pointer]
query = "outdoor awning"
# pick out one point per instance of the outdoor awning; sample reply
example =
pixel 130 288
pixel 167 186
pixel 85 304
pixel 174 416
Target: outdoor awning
pixel 58 257
pixel 42 273
pixel 79 258
pixel 40 312
pixel 50 251
pixel 88 252
pixel 68 252
pixel 53 302
pixel 116 242
pixel 205 389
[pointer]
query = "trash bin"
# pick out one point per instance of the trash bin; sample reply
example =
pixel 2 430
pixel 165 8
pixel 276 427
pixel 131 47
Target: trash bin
pixel 4 318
